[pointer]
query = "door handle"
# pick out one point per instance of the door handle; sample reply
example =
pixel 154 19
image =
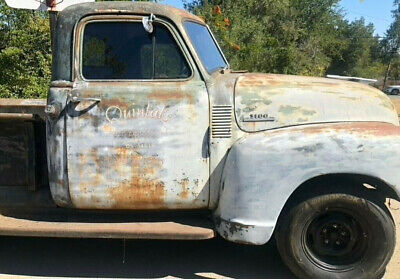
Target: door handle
pixel 75 98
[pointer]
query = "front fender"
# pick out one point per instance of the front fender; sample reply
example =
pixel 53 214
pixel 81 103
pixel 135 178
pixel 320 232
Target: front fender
pixel 262 170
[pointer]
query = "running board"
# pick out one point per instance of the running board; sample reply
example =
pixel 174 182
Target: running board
pixel 158 230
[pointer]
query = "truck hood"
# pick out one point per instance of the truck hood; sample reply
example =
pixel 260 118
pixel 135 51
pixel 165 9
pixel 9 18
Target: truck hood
pixel 267 101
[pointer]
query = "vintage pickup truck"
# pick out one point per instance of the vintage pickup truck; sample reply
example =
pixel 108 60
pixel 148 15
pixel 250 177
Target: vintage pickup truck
pixel 147 133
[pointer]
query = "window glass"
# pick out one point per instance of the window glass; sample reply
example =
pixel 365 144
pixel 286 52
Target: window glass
pixel 205 46
pixel 124 50
pixel 168 57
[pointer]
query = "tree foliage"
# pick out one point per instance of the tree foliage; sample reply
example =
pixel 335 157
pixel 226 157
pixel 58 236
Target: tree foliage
pixel 390 46
pixel 306 37
pixel 25 53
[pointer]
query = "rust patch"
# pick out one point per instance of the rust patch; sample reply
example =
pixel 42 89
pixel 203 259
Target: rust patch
pixel 363 128
pixel 142 190
pixel 276 80
pixel 108 128
pixel 146 8
pixel 98 175
pixel 83 160
pixel 138 193
pixel 261 80
pixel 125 230
pixel 185 188
pixel 237 227
pixel 303 82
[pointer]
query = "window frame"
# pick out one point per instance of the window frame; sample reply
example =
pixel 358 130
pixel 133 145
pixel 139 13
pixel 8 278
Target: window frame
pixel 78 47
pixel 212 37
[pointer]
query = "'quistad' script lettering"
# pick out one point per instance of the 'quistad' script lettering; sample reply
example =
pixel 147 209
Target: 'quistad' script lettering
pixel 115 113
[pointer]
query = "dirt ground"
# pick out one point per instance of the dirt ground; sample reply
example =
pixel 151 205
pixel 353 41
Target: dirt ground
pixel 393 269
pixel 101 258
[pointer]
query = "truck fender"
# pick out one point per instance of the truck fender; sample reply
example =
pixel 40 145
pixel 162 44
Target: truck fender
pixel 263 170
pixel 57 143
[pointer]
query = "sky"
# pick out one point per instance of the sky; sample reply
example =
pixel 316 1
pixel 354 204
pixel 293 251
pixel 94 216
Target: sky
pixel 377 12
pixel 176 3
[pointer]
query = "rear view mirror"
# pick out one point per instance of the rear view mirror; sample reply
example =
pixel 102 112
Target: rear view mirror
pixel 148 23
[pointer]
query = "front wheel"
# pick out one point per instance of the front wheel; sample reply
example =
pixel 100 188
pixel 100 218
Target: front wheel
pixel 336 236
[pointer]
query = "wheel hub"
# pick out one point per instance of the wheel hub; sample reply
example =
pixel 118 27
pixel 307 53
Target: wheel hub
pixel 335 239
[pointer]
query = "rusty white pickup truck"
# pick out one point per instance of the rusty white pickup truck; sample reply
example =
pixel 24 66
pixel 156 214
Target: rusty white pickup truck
pixel 148 134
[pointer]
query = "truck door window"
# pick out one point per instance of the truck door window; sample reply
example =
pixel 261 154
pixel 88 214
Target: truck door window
pixel 125 51
pixel 206 46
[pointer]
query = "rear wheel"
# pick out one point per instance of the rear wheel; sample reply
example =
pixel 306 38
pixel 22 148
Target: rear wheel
pixel 336 236
pixel 395 91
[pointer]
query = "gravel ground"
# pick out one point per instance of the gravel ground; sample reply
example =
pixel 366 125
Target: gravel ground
pixel 393 269
pixel 99 258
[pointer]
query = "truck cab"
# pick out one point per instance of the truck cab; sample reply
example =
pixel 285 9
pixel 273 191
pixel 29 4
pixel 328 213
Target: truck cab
pixel 145 115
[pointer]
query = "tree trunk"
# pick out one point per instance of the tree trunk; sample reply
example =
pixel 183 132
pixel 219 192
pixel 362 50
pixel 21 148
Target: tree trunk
pixel 387 74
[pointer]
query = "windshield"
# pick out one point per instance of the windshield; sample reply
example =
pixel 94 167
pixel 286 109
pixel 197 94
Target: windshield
pixel 205 46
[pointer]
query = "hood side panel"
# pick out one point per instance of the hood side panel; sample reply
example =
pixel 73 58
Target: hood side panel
pixel 267 101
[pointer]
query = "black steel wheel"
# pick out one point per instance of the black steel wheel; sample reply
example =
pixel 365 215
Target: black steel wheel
pixel 336 236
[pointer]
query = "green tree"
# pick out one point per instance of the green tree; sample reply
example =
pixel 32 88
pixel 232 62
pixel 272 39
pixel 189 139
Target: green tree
pixel 391 43
pixel 360 55
pixel 281 36
pixel 308 37
pixel 25 55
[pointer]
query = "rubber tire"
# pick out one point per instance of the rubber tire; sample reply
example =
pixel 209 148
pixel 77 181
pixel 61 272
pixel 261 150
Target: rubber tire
pixel 395 92
pixel 291 226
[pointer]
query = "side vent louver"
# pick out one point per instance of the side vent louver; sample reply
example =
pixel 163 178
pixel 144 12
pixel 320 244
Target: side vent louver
pixel 221 121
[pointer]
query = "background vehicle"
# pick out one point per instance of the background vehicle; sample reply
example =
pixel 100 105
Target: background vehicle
pixel 145 115
pixel 393 90
pixel 367 81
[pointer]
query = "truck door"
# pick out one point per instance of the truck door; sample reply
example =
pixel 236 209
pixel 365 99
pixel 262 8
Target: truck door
pixel 137 119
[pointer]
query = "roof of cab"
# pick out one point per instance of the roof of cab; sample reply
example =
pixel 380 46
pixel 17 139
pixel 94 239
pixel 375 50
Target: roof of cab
pixel 67 19
pixel 125 7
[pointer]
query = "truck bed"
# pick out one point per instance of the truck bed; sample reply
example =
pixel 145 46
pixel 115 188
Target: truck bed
pixel 22 109
pixel 23 144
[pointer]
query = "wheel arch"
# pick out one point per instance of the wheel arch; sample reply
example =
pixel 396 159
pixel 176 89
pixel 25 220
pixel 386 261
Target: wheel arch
pixel 351 183
pixel 264 171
